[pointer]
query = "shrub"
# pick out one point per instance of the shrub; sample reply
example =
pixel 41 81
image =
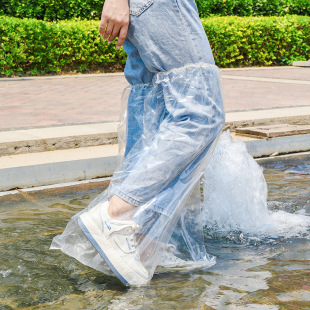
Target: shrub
pixel 300 7
pixel 270 7
pixel 51 10
pixel 30 46
pixel 35 47
pixel 258 41
pixel 225 7
pixel 253 7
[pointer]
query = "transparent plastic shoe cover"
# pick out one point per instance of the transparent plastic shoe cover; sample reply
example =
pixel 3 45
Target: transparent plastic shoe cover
pixel 167 133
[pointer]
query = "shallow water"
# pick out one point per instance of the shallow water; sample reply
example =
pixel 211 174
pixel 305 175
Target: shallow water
pixel 252 272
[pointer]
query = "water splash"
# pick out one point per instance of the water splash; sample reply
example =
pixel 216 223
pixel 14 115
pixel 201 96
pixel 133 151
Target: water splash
pixel 5 273
pixel 235 197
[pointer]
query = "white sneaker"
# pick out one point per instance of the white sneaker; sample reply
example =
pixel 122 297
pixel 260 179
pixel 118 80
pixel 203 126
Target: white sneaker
pixel 115 242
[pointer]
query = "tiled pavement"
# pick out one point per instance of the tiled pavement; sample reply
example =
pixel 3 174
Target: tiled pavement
pixel 52 101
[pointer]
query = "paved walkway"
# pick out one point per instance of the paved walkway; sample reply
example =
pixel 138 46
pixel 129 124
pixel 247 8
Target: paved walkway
pixel 80 99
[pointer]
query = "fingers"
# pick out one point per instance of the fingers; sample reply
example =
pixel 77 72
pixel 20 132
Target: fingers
pixel 108 31
pixel 114 21
pixel 103 25
pixel 114 33
pixel 122 36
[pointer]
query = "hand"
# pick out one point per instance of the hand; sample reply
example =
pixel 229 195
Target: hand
pixel 114 21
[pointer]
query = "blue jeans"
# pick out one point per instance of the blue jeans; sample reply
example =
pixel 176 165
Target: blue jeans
pixel 175 110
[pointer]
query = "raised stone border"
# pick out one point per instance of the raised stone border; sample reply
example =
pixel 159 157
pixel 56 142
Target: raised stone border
pixel 70 137
pixel 301 63
pixel 85 163
pixel 36 169
pixel 57 138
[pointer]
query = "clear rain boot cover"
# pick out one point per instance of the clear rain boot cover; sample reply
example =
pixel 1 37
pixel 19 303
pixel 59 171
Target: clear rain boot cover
pixel 167 133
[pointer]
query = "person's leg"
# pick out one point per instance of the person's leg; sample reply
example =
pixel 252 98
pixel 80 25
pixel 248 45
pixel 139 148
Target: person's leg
pixel 140 79
pixel 182 118
pixel 193 122
pixel 167 35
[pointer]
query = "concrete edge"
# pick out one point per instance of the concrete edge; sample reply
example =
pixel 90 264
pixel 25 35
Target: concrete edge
pixel 279 145
pixel 98 180
pixel 81 75
pixel 293 116
pixel 87 135
pixel 282 156
pixel 53 144
pixel 24 171
pixel 264 79
pixel 58 185
pixel 55 172
pixel 301 63
pixel 65 76
pixel 57 138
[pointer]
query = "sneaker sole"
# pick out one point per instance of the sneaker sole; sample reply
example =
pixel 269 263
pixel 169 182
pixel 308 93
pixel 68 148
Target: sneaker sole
pixel 94 235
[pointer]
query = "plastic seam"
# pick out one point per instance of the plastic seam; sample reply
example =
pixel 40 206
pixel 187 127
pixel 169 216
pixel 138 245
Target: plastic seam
pixel 197 65
pixel 160 74
pixel 161 210
pixel 140 85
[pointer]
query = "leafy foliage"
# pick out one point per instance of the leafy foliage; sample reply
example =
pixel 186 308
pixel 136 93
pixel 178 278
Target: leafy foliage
pixel 35 47
pixel 253 7
pixel 32 47
pixel 51 10
pixel 258 41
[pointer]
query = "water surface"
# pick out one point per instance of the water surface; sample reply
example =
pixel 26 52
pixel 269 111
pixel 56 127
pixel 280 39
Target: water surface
pixel 252 272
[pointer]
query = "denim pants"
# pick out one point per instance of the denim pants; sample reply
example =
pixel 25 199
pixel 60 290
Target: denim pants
pixel 174 110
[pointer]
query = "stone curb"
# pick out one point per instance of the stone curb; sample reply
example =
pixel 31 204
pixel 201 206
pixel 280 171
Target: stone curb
pixel 280 145
pixel 105 179
pixel 293 116
pixel 37 169
pixel 85 163
pixel 57 138
pixel 46 168
pixel 264 79
pixel 301 63
pixel 70 137
pixel 122 73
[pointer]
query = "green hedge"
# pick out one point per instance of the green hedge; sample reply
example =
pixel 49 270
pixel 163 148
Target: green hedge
pixel 50 10
pixel 31 47
pixel 253 7
pixel 258 41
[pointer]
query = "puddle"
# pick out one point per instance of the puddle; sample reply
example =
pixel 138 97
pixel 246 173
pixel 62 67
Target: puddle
pixel 251 272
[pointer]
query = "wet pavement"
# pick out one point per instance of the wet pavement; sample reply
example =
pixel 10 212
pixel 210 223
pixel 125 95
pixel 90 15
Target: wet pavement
pixel 81 99
pixel 251 273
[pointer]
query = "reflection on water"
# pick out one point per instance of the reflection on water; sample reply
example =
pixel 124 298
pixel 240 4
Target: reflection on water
pixel 252 272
